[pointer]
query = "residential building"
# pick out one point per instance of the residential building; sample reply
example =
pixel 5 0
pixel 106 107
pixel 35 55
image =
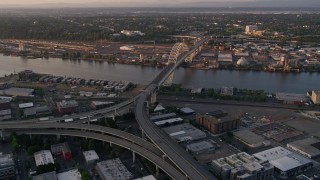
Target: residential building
pixel 62 149
pixel 217 125
pixel 242 166
pixel 113 170
pixel 7 166
pixel 43 157
pixel 91 157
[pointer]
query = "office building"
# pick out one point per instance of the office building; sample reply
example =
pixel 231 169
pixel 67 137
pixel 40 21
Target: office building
pixel 113 170
pixel 285 162
pixel 217 125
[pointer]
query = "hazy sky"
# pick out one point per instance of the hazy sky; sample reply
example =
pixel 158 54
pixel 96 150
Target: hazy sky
pixel 163 3
pixel 108 1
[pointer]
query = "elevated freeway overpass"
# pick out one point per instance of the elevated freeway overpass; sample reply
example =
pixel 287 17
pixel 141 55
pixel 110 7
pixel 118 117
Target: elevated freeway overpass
pixel 170 148
pixel 151 156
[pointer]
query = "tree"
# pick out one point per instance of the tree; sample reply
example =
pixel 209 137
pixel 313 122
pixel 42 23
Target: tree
pixel 14 144
pixel 210 92
pixel 84 174
pixel 47 168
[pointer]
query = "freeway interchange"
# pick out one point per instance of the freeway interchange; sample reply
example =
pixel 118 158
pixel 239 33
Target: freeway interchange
pixel 184 166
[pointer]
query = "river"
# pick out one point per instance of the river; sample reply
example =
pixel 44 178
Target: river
pixel 192 78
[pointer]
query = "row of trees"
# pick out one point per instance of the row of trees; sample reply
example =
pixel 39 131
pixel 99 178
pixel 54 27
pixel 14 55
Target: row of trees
pixel 239 94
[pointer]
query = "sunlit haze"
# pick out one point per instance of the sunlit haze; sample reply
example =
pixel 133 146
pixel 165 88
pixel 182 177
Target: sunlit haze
pixel 162 3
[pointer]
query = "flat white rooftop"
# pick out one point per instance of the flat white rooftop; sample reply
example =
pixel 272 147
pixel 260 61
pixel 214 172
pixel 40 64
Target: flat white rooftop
pixel 200 146
pixel 169 121
pixel 90 155
pixel 150 177
pixel 282 158
pixel 113 170
pixel 159 108
pixel 308 146
pixel 272 154
pixel 70 175
pixel 43 157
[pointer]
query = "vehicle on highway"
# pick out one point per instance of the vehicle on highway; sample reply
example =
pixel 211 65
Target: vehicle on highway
pixel 84 117
pixel 68 120
pixel 44 119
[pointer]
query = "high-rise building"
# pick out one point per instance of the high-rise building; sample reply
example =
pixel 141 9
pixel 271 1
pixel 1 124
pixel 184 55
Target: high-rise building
pixel 251 29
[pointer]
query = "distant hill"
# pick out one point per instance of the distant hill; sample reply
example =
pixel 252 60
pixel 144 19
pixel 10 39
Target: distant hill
pixel 177 3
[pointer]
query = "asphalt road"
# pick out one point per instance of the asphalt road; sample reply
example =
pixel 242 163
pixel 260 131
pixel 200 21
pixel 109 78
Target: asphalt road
pixel 93 128
pixel 165 166
pixel 172 149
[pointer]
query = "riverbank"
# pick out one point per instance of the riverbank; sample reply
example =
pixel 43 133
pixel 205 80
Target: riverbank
pixel 188 77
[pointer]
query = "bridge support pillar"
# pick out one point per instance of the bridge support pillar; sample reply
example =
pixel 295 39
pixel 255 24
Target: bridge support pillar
pixel 113 117
pixel 133 157
pixel 164 156
pixel 153 98
pixel 1 134
pixel 169 80
pixel 157 171
pixel 58 136
pixel 142 134
pixel 110 144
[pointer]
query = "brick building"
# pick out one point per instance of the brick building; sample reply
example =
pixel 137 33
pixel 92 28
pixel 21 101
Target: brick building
pixel 67 107
pixel 62 149
pixel 217 125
